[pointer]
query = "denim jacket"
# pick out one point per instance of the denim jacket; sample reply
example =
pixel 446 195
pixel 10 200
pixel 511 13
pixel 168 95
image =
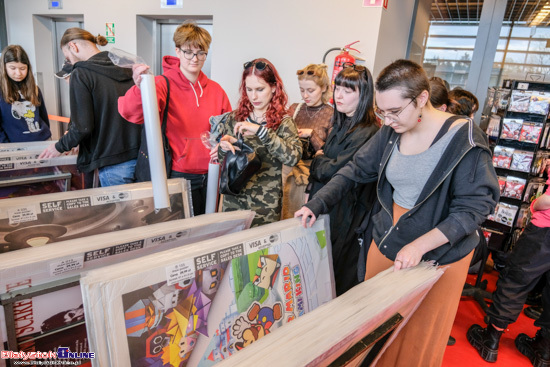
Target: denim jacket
pixel 461 191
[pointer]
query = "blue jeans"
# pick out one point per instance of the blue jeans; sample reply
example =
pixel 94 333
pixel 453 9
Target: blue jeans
pixel 117 174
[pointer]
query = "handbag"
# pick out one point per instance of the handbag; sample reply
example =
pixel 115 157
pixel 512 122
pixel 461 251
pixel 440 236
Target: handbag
pixel 308 152
pixel 143 172
pixel 238 168
pixel 307 148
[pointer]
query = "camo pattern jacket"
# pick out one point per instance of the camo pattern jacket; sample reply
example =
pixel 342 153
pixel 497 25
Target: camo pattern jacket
pixel 263 193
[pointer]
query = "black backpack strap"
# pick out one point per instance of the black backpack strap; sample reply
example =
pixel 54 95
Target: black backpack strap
pixel 165 115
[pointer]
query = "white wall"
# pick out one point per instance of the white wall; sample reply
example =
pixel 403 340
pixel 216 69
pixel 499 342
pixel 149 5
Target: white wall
pixel 393 34
pixel 421 29
pixel 290 33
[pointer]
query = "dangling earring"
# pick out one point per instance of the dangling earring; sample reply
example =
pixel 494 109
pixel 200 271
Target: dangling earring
pixel 420 116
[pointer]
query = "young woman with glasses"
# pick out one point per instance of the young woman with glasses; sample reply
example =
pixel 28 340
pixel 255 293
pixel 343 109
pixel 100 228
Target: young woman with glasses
pixel 193 100
pixel 435 184
pixel 313 118
pixel 23 115
pixel 262 119
pixel 354 124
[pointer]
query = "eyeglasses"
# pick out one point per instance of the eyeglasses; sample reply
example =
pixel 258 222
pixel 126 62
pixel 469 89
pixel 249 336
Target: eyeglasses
pixel 188 54
pixel 358 68
pixel 260 65
pixel 392 116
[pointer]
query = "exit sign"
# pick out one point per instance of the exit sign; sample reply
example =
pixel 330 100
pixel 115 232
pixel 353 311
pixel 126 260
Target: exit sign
pixel 110 32
pixel 376 3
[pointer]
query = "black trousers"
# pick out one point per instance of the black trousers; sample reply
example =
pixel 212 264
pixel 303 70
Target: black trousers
pixel 528 262
pixel 198 189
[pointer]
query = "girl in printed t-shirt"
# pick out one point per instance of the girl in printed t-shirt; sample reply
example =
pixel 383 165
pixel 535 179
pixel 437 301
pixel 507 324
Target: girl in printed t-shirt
pixel 23 115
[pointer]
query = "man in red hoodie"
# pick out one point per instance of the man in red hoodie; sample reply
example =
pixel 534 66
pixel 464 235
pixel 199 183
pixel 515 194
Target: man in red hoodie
pixel 193 100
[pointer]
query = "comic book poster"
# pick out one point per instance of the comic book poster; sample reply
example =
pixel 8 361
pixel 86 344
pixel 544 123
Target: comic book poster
pixel 261 292
pixel 198 304
pixel 163 321
pixel 45 219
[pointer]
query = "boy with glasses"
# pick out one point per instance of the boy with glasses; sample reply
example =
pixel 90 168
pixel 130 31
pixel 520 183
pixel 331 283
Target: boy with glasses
pixel 193 100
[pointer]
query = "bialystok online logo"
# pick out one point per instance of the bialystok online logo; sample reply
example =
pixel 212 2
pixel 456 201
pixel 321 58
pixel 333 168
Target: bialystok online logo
pixel 61 353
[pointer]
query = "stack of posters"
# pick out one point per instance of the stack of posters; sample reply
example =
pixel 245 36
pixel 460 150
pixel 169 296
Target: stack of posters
pixel 36 146
pixel 38 220
pixel 45 275
pixel 324 334
pixel 199 304
pixel 17 156
pixel 22 173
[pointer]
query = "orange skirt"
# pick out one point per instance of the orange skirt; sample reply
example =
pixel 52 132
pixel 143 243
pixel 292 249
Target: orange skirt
pixel 423 340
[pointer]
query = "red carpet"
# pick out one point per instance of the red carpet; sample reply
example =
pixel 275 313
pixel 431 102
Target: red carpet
pixel 469 312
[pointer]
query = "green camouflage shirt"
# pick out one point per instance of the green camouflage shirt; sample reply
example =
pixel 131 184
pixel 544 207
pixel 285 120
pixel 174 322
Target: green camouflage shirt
pixel 263 193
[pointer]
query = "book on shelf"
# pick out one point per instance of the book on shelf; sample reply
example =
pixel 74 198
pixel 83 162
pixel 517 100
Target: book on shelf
pixel 514 187
pixel 521 160
pixel 506 213
pixel 511 128
pixel 502 156
pixel 530 132
pixel 519 101
pixel 539 103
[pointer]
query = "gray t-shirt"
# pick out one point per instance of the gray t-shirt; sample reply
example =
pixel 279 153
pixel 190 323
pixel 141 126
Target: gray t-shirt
pixel 408 174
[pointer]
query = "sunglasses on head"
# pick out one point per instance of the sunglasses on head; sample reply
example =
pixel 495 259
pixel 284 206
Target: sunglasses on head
pixel 308 72
pixel 358 68
pixel 260 65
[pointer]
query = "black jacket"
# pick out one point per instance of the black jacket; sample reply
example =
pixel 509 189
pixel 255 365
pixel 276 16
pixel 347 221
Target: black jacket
pixel 352 208
pixel 105 138
pixel 462 190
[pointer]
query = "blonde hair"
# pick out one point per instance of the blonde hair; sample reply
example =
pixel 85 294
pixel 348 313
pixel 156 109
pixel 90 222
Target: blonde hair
pixel 318 74
pixel 73 34
pixel 190 33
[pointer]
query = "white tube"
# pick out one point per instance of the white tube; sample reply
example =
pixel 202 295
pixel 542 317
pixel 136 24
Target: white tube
pixel 154 142
pixel 212 188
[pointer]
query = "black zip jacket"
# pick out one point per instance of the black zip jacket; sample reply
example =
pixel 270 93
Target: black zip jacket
pixel 462 190
pixel 105 138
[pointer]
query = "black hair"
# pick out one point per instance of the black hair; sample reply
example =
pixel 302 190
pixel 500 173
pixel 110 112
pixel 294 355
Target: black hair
pixel 462 102
pixel 360 80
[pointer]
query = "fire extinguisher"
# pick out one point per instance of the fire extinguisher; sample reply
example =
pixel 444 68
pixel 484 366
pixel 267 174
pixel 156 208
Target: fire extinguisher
pixel 342 58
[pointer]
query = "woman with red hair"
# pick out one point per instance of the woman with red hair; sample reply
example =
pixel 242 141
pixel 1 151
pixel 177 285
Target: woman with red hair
pixel 261 117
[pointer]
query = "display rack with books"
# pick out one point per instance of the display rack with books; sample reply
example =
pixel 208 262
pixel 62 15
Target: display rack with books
pixel 519 133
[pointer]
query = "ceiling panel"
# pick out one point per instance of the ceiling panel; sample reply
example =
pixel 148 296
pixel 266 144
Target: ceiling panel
pixel 523 11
